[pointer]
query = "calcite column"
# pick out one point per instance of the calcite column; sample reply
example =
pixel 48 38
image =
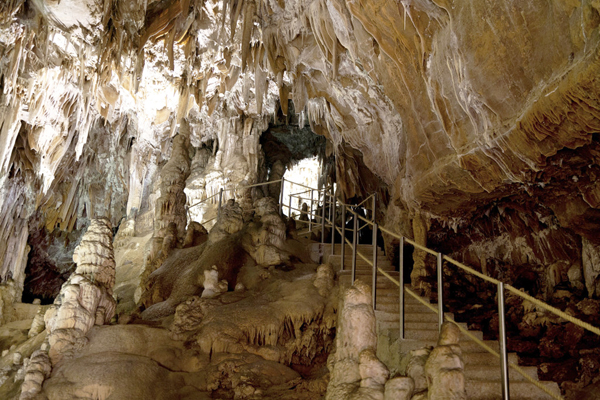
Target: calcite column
pixel 356 372
pixel 445 368
pixel 170 213
pixel 277 171
pixel 170 206
pixel 419 272
pixel 86 298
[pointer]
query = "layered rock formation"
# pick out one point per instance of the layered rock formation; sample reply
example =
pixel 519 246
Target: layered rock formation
pixel 356 372
pixel 86 298
pixel 477 125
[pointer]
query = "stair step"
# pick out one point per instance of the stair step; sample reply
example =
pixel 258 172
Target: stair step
pixel 466 346
pixel 433 334
pixel 492 390
pixel 493 373
pixel 392 298
pixel 368 274
pixel 409 317
pixel 415 326
pixel 387 307
pixel 363 265
pixel 487 359
pixel 348 248
pixel 363 269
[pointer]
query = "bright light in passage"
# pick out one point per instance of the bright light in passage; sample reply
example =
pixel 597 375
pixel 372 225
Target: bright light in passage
pixel 306 172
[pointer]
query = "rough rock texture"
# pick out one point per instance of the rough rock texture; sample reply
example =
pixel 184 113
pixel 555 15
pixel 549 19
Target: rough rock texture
pixel 399 388
pixel 170 206
pixel 444 368
pixel 86 298
pixel 283 320
pixel 37 371
pixel 356 372
pixel 477 123
pixel 415 368
pixel 268 234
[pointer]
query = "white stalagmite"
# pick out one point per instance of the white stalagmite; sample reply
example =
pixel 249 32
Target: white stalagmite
pixel 86 298
pixel 356 373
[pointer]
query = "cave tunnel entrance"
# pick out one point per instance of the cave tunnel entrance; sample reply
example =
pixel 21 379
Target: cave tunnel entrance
pixel 306 172
pixel 294 152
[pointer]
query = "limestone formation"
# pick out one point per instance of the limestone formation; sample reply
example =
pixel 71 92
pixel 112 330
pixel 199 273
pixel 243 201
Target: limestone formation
pixel 212 286
pixel 355 370
pixel 591 267
pixel 399 388
pixel 476 123
pixel 268 234
pixel 170 206
pixel 8 294
pixel 444 368
pixel 195 235
pixel 37 325
pixel 415 368
pixel 37 371
pixel 86 298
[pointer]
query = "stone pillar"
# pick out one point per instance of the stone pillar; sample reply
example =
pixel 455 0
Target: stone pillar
pixel 419 272
pixel 356 372
pixel 170 212
pixel 277 172
pixel 86 297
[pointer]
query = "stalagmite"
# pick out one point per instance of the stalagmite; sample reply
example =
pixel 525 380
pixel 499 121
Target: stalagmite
pixel 86 298
pixel 355 370
pixel 445 368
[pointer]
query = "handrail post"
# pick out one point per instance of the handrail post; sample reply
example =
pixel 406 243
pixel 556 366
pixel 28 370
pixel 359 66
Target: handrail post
pixel 290 207
pixel 220 202
pixel 440 292
pixel 354 245
pixel 310 214
pixel 401 278
pixel 323 209
pixel 343 235
pixel 281 197
pixel 374 291
pixel 503 350
pixel 374 205
pixel 332 222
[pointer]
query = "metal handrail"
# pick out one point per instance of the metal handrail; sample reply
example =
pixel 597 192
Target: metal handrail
pixel 503 353
pixel 365 200
pixel 233 189
pixel 440 258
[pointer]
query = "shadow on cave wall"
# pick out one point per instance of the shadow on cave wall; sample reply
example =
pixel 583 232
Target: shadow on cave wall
pixel 49 263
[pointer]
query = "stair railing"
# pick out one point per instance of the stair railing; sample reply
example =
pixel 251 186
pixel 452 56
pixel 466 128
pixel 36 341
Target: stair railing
pixel 327 193
pixel 501 287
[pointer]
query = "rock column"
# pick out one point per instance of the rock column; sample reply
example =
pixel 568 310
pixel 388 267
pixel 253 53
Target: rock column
pixel 170 213
pixel 86 298
pixel 419 272
pixel 356 372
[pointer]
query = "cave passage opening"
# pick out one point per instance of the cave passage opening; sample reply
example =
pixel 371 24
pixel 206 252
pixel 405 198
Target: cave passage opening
pixel 306 172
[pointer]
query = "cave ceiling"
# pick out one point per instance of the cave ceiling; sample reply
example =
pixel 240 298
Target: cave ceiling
pixel 451 105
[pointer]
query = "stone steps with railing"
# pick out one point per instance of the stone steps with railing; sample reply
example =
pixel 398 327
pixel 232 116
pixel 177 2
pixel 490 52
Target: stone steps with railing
pixel 482 369
pixel 388 315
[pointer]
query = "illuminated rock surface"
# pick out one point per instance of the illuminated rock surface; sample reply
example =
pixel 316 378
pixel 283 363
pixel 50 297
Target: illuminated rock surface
pixel 477 125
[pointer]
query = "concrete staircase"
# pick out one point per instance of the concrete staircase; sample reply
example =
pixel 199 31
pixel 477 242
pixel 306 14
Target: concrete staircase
pixel 482 369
